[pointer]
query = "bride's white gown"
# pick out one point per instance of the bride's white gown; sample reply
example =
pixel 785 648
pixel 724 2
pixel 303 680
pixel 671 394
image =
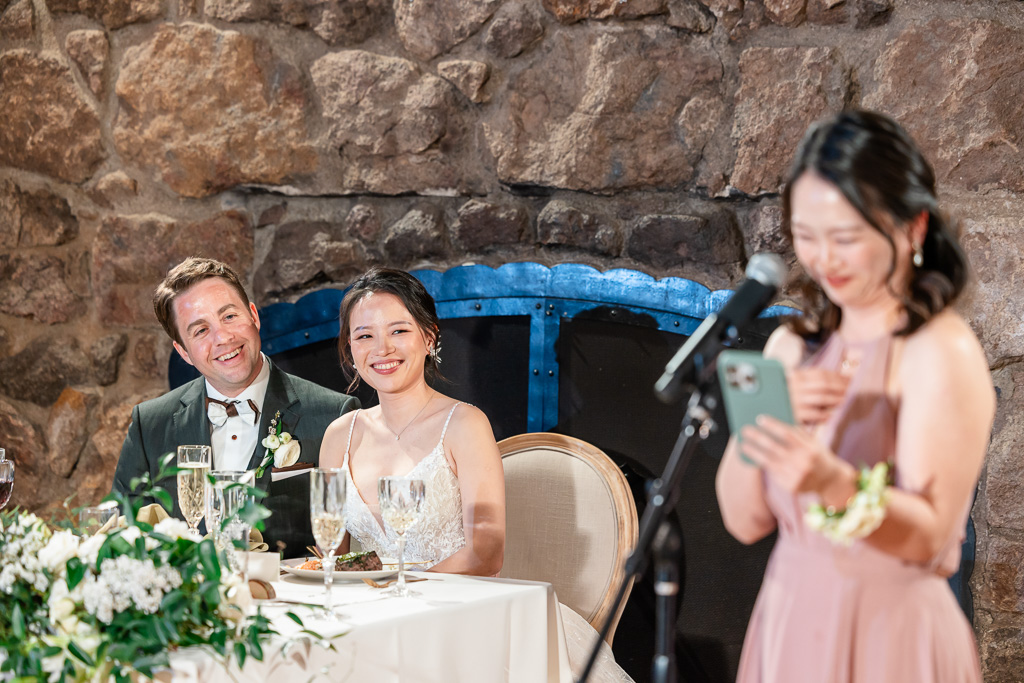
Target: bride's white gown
pixel 439 534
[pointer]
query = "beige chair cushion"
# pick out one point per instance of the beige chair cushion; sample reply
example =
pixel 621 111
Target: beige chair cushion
pixel 561 526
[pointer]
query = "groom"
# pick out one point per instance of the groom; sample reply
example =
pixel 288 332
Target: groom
pixel 204 309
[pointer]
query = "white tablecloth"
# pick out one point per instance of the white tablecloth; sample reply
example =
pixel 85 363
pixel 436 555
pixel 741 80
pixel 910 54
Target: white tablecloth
pixel 460 629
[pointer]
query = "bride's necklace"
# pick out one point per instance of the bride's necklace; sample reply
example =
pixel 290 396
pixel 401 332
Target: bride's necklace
pixel 398 434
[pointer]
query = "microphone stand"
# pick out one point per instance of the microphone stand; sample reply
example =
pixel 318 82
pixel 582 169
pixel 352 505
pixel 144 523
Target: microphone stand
pixel 661 499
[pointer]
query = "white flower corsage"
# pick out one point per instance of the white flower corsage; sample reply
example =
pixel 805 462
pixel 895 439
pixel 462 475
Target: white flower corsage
pixel 864 511
pixel 282 449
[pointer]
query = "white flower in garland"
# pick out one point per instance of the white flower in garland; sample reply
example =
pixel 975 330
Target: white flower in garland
pixel 124 582
pixel 61 547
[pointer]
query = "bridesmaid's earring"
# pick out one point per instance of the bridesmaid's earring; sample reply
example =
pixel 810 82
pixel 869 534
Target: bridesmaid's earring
pixel 918 256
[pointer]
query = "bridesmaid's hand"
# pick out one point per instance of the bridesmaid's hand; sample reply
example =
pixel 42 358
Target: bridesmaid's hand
pixel 815 393
pixel 797 461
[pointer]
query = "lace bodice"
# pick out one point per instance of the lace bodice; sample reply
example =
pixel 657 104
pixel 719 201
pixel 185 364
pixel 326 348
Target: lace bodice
pixel 439 532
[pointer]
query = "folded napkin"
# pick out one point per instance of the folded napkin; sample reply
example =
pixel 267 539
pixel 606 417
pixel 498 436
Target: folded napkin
pixel 154 513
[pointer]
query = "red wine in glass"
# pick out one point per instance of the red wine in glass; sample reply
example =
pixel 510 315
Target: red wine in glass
pixel 6 479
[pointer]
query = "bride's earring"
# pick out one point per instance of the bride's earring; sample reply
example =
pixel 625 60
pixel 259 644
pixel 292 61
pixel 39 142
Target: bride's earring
pixel 918 256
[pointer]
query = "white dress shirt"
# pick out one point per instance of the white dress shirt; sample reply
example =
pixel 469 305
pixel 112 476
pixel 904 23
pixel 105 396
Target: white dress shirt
pixel 234 441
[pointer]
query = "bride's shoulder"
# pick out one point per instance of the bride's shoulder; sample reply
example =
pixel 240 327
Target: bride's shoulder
pixel 465 416
pixel 341 425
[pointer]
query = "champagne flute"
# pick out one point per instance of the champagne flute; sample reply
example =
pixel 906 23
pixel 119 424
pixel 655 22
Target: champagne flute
pixel 6 479
pixel 401 506
pixel 326 512
pixel 194 463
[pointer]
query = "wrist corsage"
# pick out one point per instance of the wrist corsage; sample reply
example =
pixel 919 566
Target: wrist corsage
pixel 282 449
pixel 864 511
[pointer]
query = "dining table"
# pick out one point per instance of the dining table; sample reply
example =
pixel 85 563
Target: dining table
pixel 457 629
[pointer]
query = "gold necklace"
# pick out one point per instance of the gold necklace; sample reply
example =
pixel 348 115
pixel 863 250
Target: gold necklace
pixel 399 433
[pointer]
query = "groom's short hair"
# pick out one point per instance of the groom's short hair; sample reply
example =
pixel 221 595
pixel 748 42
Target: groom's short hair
pixel 181 277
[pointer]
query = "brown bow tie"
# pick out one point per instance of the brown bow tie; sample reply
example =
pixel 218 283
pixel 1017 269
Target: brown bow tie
pixel 231 408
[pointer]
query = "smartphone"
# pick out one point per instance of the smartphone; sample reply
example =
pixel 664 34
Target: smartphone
pixel 752 385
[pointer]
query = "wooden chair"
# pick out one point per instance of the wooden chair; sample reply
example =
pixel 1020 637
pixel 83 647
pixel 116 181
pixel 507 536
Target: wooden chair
pixel 570 521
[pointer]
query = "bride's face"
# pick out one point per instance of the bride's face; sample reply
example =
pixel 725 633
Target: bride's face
pixel 388 348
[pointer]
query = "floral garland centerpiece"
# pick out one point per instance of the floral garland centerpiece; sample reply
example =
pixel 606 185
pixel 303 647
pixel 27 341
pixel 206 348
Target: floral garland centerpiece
pixel 106 606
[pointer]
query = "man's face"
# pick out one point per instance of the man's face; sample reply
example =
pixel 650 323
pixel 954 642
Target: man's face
pixel 220 335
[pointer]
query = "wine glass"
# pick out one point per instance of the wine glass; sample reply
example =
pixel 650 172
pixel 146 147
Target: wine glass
pixel 226 495
pixel 6 479
pixel 92 518
pixel 194 463
pixel 401 506
pixel 326 512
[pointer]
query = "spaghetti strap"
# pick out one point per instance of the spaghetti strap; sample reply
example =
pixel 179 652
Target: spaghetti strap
pixel 445 430
pixel 351 428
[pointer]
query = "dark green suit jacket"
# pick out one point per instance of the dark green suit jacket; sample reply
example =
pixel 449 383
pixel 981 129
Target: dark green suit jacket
pixel 178 417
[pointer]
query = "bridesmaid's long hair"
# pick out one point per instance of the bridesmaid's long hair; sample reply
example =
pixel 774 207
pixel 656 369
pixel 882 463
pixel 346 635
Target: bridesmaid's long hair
pixel 882 173
pixel 413 295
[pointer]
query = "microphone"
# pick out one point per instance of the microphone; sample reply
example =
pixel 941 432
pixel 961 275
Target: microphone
pixel 765 274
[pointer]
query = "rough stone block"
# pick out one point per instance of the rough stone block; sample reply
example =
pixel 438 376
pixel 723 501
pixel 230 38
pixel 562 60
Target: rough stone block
pixel 515 27
pixel 90 50
pixel 466 75
pixel 43 369
pixel 112 13
pixel 782 91
pixel 483 224
pixel 106 355
pixel 363 222
pixel 599 114
pixel 45 124
pixel 209 110
pixel 561 224
pixel 955 85
pixel 67 430
pixel 417 235
pixel 18 20
pixel 396 128
pixel 305 253
pixel 428 28
pixel 131 254
pixel 34 286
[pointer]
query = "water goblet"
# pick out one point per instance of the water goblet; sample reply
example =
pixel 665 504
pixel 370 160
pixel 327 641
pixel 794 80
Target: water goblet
pixel 401 506
pixel 6 479
pixel 92 518
pixel 194 465
pixel 226 495
pixel 326 512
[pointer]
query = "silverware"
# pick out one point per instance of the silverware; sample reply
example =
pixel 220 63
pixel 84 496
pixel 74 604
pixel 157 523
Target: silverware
pixel 371 582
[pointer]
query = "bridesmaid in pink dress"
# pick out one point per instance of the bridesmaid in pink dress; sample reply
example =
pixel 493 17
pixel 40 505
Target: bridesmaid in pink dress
pixel 881 369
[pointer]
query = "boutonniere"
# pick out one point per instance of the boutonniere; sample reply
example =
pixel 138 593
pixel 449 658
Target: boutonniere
pixel 282 449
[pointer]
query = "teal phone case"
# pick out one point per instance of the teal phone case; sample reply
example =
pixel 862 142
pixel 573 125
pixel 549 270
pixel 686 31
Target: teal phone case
pixel 752 385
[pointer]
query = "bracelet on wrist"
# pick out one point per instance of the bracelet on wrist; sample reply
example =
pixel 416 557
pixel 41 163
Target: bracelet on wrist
pixel 864 511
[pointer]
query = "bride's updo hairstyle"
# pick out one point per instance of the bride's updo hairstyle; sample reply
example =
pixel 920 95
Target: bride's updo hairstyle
pixel 882 173
pixel 413 295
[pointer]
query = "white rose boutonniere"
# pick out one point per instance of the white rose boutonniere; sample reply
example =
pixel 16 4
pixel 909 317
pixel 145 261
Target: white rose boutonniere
pixel 282 449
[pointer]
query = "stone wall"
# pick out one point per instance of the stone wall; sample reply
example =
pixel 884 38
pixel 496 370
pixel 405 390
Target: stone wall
pixel 302 140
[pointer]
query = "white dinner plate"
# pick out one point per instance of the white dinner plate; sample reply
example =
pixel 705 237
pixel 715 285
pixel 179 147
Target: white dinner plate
pixel 292 567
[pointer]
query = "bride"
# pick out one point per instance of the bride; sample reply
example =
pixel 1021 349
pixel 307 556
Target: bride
pixel 390 338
